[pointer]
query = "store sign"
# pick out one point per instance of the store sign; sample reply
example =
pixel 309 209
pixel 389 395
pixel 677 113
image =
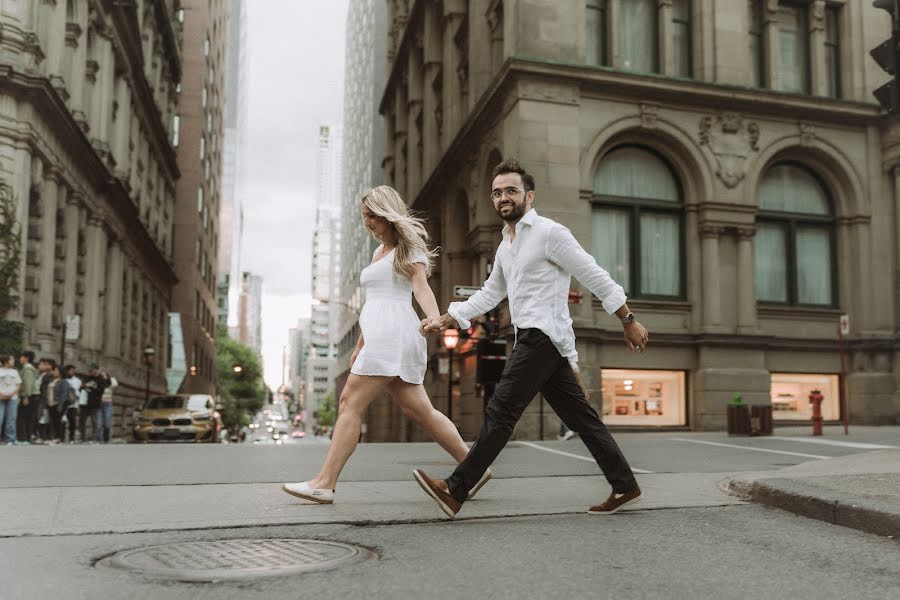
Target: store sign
pixel 73 327
pixel 443 365
pixel 845 324
pixel 574 297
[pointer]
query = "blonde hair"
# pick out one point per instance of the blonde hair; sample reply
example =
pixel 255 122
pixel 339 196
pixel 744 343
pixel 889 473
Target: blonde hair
pixel 409 229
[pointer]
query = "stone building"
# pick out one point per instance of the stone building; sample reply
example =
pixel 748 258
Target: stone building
pixel 725 161
pixel 88 91
pixel 199 190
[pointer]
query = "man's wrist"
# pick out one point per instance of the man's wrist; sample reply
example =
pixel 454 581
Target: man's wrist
pixel 627 319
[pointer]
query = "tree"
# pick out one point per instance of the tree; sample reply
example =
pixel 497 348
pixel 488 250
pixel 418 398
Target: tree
pixel 240 385
pixel 11 332
pixel 325 414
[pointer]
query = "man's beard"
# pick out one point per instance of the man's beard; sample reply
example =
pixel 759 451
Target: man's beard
pixel 516 213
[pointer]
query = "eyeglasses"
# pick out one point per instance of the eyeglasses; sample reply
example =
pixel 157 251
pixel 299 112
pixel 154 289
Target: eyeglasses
pixel 511 192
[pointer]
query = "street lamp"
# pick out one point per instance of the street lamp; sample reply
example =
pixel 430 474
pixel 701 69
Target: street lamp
pixel 451 339
pixel 148 354
pixel 238 368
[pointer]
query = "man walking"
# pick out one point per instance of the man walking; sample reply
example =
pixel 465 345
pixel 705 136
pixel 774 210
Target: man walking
pixel 533 267
pixel 30 401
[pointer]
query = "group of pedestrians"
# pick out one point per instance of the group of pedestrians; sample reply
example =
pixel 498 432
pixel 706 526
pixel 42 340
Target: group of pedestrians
pixel 532 267
pixel 51 403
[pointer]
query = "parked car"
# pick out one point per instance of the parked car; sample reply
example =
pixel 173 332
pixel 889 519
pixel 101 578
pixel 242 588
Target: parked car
pixel 178 418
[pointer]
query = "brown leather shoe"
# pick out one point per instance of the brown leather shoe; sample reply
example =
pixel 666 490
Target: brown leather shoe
pixel 615 502
pixel 439 492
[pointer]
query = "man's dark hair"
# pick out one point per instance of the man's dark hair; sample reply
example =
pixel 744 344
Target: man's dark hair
pixel 4 358
pixel 68 368
pixel 511 165
pixel 48 361
pixel 29 355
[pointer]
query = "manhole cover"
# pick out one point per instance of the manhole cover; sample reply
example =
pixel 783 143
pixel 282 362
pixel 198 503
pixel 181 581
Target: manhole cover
pixel 236 559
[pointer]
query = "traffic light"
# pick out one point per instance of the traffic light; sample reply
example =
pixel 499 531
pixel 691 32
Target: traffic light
pixel 886 55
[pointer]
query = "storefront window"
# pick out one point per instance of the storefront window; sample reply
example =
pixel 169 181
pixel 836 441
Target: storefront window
pixel 790 396
pixel 642 397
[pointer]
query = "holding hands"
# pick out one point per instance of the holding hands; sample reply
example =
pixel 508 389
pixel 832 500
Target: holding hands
pixel 436 324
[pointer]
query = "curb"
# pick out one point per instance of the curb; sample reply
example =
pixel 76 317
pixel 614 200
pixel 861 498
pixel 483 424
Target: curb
pixel 808 501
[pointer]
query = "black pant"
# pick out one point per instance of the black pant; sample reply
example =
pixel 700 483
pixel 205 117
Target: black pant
pixel 26 420
pixel 87 413
pixel 55 424
pixel 536 365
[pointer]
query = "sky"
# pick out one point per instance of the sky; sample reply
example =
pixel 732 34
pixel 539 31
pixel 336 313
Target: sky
pixel 295 59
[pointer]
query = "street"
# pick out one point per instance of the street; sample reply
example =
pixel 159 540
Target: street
pixel 525 536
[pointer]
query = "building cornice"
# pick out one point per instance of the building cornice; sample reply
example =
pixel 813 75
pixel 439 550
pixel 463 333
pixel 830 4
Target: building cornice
pixel 38 92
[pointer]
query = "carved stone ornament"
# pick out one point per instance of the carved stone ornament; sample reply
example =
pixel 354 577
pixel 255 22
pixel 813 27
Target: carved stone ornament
pixel 731 142
pixel 649 113
pixel 807 133
pixel 817 23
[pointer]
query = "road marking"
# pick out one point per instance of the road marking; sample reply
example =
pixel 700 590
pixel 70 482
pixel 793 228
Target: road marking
pixel 748 448
pixel 861 445
pixel 570 455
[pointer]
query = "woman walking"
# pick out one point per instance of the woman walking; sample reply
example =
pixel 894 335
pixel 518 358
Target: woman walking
pixel 391 352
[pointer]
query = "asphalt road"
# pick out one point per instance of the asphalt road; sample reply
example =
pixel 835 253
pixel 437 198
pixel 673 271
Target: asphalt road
pixel 526 536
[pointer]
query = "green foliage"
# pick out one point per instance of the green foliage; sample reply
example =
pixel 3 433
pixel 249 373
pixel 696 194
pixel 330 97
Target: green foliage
pixel 325 415
pixel 241 394
pixel 736 399
pixel 12 333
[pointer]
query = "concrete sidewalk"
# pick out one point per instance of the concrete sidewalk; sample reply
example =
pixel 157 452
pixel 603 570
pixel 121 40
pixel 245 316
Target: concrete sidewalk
pixel 861 491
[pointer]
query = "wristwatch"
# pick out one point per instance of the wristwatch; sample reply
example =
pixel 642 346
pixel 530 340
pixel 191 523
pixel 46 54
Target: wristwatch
pixel 629 318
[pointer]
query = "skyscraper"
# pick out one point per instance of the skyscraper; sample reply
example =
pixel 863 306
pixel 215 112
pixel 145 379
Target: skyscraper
pixel 365 74
pixel 199 190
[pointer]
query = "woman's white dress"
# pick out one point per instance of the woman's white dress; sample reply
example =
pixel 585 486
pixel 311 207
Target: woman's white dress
pixel 392 344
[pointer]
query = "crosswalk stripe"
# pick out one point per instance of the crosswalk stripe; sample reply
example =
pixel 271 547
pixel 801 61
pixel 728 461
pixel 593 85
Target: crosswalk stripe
pixel 570 455
pixel 751 448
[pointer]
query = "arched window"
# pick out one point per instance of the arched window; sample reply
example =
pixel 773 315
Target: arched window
pixel 794 238
pixel 637 223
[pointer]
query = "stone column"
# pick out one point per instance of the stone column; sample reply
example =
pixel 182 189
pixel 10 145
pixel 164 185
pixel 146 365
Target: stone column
pixel 70 262
pixel 127 324
pixel 414 115
pixel 105 86
pixel 666 46
pixel 819 71
pixel 771 46
pixel 746 282
pixel 431 111
pixel 114 321
pixel 49 204
pixel 91 97
pixel 712 295
pixel 95 276
pixel 122 127
pixel 74 72
pixel 53 14
pixel 454 14
pixel 401 149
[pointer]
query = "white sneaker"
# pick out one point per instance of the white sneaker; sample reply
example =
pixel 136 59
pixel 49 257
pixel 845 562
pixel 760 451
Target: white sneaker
pixel 302 490
pixel 484 479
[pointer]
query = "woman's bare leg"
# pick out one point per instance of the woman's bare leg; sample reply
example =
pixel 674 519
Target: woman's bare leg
pixel 358 393
pixel 415 404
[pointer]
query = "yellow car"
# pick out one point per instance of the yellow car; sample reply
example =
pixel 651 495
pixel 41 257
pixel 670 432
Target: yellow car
pixel 178 418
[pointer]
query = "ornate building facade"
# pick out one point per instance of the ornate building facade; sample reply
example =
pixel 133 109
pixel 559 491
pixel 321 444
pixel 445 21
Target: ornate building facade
pixel 88 90
pixel 725 161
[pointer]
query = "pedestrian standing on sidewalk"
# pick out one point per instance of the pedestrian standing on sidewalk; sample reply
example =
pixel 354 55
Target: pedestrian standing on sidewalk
pixel 103 420
pixel 57 397
pixel 72 409
pixel 533 266
pixel 29 398
pixel 10 384
pixel 390 354
pixel 44 424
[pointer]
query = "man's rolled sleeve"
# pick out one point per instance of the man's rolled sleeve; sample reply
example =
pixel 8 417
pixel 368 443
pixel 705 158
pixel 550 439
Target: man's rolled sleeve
pixel 565 251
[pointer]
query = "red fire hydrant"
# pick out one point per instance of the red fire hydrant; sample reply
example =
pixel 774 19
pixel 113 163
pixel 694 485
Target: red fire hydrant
pixel 815 398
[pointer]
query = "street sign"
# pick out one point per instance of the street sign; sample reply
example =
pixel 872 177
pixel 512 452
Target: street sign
pixel 73 327
pixel 845 324
pixel 574 297
pixel 443 365
pixel 462 291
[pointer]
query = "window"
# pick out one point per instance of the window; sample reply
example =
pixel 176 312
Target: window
pixel 681 38
pixel 176 123
pixel 206 47
pixel 790 396
pixel 596 32
pixel 204 97
pixel 832 52
pixel 637 223
pixel 638 36
pixel 202 147
pixel 199 199
pixel 794 239
pixel 642 397
pixel 793 48
pixel 757 63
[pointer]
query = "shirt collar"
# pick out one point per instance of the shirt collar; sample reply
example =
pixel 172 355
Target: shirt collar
pixel 527 219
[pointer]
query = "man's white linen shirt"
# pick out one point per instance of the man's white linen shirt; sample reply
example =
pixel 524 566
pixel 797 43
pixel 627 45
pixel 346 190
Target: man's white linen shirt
pixel 535 271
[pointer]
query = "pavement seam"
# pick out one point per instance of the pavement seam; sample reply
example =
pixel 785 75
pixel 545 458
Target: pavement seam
pixel 360 524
